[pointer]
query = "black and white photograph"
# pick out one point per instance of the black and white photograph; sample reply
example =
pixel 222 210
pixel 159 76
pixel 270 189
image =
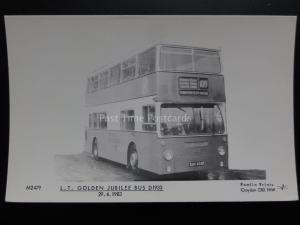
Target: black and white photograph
pixel 161 108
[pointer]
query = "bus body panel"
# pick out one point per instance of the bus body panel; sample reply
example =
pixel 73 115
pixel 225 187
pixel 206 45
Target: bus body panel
pixel 188 151
pixel 113 145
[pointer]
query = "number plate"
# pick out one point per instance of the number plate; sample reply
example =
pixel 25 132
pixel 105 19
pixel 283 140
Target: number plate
pixel 193 164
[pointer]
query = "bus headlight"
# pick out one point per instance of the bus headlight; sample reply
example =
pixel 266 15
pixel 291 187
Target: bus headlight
pixel 162 143
pixel 221 150
pixel 168 154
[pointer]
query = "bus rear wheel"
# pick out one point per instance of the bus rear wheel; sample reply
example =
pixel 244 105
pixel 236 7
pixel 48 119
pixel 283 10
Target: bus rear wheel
pixel 132 160
pixel 95 149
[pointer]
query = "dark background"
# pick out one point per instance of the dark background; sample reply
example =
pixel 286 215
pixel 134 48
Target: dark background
pixel 200 213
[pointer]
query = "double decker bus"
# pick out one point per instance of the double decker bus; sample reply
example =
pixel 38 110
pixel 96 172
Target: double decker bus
pixel 161 110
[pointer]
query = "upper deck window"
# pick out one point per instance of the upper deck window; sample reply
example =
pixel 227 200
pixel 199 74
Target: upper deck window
pixel 89 88
pixel 103 79
pixel 207 61
pixel 115 73
pixel 189 60
pixel 176 59
pixel 93 83
pixel 128 69
pixel 146 62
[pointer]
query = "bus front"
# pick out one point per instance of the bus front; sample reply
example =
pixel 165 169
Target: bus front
pixel 192 123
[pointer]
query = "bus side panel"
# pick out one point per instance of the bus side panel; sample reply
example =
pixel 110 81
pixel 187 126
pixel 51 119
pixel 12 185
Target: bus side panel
pixel 113 145
pixel 100 136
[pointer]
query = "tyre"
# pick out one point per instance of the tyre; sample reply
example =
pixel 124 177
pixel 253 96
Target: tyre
pixel 211 176
pixel 95 151
pixel 132 160
pixel 216 175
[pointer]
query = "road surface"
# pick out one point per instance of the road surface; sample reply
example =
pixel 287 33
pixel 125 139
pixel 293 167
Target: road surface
pixel 83 168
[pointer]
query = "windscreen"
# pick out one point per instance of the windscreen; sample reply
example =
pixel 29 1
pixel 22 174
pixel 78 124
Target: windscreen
pixel 192 119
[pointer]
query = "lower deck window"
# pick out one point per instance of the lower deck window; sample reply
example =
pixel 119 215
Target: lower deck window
pixel 95 120
pixel 98 120
pixel 127 120
pixel 102 121
pixel 149 118
pixel 90 121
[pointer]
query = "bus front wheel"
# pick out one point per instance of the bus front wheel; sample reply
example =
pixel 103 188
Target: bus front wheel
pixel 95 149
pixel 132 160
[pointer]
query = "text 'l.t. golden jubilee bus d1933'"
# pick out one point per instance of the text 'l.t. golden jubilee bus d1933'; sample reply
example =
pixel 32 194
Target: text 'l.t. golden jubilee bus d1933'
pixel 161 110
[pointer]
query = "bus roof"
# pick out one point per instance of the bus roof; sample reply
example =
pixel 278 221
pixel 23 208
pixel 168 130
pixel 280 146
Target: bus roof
pixel 187 46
